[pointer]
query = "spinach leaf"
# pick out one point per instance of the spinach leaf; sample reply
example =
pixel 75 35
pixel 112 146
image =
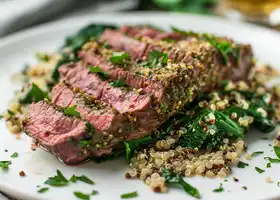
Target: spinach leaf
pixel 132 145
pixel 58 180
pixel 71 111
pixel 97 70
pixel 82 196
pixel 173 178
pixel 242 164
pixel 155 58
pixel 277 151
pixel 34 94
pixel 259 170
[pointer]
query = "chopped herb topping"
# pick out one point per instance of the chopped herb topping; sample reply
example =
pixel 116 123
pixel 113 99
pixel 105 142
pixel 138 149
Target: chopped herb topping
pixel 219 189
pixel 58 180
pixel 71 111
pixel 94 192
pixel 155 58
pixel 85 179
pixel 97 70
pixel 90 129
pixel 268 165
pixel 171 177
pixel 34 94
pixel 242 164
pixel 118 83
pixel 244 188
pixel 82 196
pixel 259 170
pixel 42 57
pixel 43 190
pixel 119 58
pixel 73 179
pixel 5 164
pixel 235 179
pixel 278 184
pixel 129 195
pixel 14 155
pixel 273 160
pixel 256 153
pixel 10 113
pixel 277 151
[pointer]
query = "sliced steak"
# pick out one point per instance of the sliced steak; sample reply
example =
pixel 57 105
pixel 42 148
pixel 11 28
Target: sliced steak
pixel 136 107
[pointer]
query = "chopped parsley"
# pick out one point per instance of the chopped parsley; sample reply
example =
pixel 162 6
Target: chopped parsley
pixel 5 164
pixel 259 170
pixel 14 155
pixel 273 160
pixel 242 164
pixel 219 189
pixel 118 83
pixel 155 58
pixel 73 179
pixel 58 180
pixel 97 70
pixel 129 195
pixel 94 192
pixel 42 57
pixel 119 58
pixel 71 111
pixel 171 178
pixel 244 187
pixel 43 190
pixel 10 113
pixel 268 165
pixel 256 153
pixel 82 196
pixel 34 94
pixel 277 151
pixel 85 179
pixel 278 184
pixel 90 129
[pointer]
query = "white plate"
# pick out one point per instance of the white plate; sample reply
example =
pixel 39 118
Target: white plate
pixel 109 177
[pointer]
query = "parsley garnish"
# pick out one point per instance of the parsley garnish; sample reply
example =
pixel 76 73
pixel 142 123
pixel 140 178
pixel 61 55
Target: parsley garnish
pixel 90 129
pixel 155 58
pixel 97 70
pixel 42 190
pixel 244 187
pixel 5 164
pixel 278 184
pixel 73 179
pixel 14 155
pixel 34 94
pixel 85 179
pixel 256 153
pixel 58 180
pixel 259 170
pixel 219 189
pixel 268 165
pixel 242 164
pixel 119 58
pixel 42 57
pixel 10 113
pixel 273 160
pixel 171 177
pixel 71 111
pixel 94 192
pixel 129 195
pixel 81 195
pixel 118 83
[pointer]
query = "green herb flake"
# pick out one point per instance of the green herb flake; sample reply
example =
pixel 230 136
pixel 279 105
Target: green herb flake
pixel 97 70
pixel 42 57
pixel 34 94
pixel 82 196
pixel 43 190
pixel 242 164
pixel 256 153
pixel 90 129
pixel 155 58
pixel 94 192
pixel 278 183
pixel 277 151
pixel 14 155
pixel 73 179
pixel 71 111
pixel 129 195
pixel 171 178
pixel 85 179
pixel 268 165
pixel 10 113
pixel 219 189
pixel 5 164
pixel 119 58
pixel 118 83
pixel 273 160
pixel 132 145
pixel 244 187
pixel 259 170
pixel 58 180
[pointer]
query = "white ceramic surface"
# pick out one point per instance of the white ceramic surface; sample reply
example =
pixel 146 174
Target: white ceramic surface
pixel 109 177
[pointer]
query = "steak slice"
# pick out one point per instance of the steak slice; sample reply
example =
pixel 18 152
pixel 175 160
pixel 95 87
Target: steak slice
pixel 136 107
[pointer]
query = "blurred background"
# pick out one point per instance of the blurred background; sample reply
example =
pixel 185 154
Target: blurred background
pixel 20 14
